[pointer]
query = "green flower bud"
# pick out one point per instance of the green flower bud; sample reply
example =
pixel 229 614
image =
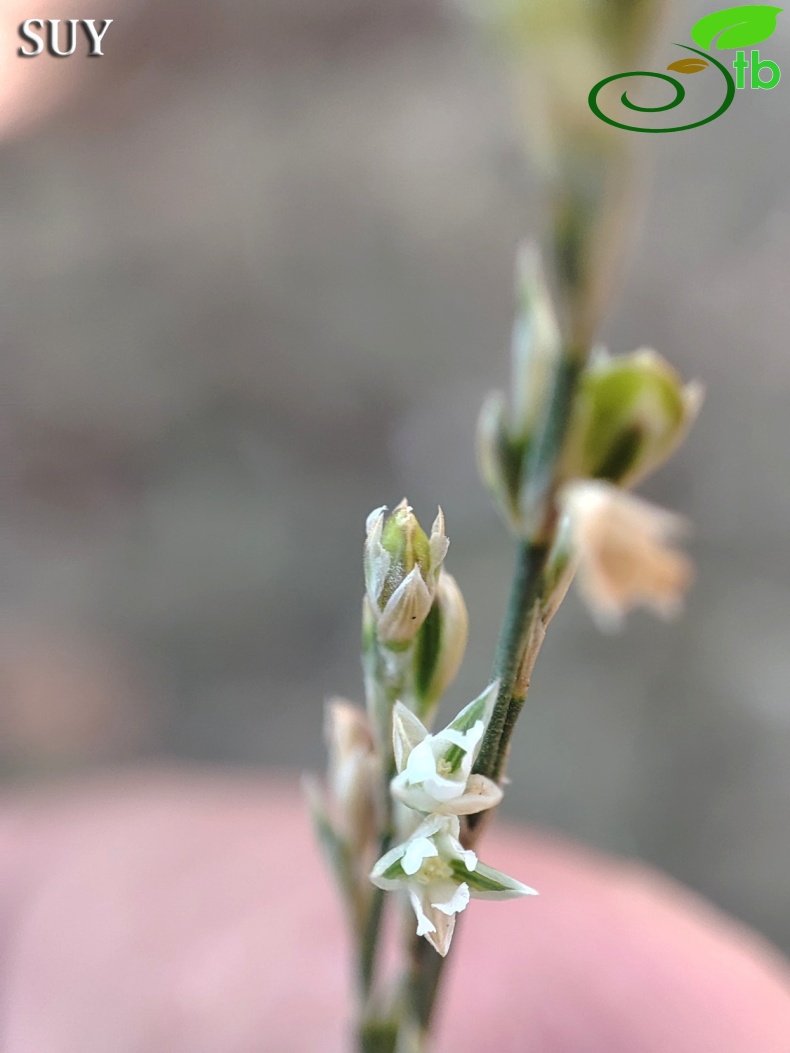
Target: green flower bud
pixel 630 413
pixel 507 436
pixel 402 566
pixel 536 344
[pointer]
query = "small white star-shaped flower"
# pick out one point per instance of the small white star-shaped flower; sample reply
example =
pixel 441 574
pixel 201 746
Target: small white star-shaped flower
pixel 441 876
pixel 435 771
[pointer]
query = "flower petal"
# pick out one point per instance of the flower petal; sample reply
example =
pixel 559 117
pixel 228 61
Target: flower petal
pixel 408 732
pixel 479 794
pixel 624 552
pixel 390 860
pixel 421 764
pixel 417 850
pixel 424 923
pixel 457 901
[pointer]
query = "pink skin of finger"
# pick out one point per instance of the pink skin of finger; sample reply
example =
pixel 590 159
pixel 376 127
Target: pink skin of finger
pixel 190 913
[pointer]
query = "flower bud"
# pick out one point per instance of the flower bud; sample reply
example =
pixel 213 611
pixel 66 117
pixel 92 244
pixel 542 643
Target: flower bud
pixel 440 645
pixel 402 566
pixel 354 771
pixel 630 413
pixel 506 436
pixel 536 344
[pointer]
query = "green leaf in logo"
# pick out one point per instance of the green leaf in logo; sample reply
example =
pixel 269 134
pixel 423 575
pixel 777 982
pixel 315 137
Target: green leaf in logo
pixel 740 27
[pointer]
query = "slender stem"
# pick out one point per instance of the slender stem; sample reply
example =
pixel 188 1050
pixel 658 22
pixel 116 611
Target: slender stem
pixel 374 1035
pixel 386 682
pixel 422 984
pixel 513 639
pixel 370 937
pixel 378 1036
pixel 426 965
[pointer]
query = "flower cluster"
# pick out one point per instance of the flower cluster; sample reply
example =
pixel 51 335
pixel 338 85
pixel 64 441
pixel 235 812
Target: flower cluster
pixel 387 770
pixel 629 413
pixel 391 777
pixel 434 778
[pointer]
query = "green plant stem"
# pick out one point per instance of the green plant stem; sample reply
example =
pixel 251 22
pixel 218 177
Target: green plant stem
pixel 425 971
pixel 374 1035
pixel 521 609
pixel 385 686
pixel 369 943
pixel 378 1036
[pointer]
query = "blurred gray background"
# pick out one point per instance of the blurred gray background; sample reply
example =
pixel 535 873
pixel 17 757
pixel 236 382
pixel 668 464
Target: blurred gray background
pixel 256 280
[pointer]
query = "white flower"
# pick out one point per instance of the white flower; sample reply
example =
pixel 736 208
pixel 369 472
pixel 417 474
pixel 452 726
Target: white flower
pixel 402 567
pixel 440 876
pixel 435 771
pixel 620 543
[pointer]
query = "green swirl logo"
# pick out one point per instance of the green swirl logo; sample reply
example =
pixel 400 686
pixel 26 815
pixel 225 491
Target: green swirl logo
pixel 734 27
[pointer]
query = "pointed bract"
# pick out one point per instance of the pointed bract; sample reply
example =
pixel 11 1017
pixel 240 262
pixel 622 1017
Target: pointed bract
pixel 406 610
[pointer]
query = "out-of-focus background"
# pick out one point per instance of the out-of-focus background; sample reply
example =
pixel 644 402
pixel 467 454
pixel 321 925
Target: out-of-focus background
pixel 256 280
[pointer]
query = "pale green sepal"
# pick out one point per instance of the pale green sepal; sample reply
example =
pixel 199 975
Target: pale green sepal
pixel 486 883
pixel 480 709
pixel 629 414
